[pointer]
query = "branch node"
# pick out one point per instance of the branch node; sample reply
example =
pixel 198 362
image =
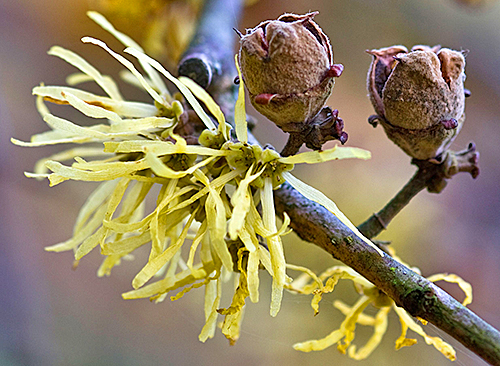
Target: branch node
pixel 198 68
pixel 448 165
pixel 379 219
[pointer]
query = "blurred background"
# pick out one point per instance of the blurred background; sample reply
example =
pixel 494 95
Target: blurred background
pixel 52 315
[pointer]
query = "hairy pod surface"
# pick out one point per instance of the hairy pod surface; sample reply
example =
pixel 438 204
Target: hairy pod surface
pixel 419 97
pixel 287 66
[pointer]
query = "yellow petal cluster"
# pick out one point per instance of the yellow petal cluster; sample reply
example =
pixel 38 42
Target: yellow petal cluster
pixel 214 213
pixel 310 283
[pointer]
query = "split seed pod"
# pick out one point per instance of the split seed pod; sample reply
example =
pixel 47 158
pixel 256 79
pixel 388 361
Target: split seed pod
pixel 287 66
pixel 419 97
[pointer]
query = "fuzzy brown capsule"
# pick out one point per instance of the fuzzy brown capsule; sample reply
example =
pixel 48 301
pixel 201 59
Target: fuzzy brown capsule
pixel 287 66
pixel 419 97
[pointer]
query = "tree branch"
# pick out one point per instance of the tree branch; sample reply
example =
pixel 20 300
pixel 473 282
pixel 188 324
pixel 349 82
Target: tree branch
pixel 313 223
pixel 209 60
pixel 417 295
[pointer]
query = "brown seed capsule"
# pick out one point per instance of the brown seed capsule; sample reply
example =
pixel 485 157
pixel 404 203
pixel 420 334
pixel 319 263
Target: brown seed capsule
pixel 419 97
pixel 287 67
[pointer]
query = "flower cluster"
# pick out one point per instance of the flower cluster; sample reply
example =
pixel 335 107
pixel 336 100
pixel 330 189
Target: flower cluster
pixel 215 193
pixel 309 283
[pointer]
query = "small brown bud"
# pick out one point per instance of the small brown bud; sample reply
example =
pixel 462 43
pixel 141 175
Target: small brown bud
pixel 419 97
pixel 287 67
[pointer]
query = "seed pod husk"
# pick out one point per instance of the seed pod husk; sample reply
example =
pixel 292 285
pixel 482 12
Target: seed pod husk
pixel 419 97
pixel 287 66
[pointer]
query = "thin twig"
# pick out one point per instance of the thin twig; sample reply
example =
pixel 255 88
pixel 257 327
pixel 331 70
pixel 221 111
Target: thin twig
pixel 429 175
pixel 313 223
pixel 293 144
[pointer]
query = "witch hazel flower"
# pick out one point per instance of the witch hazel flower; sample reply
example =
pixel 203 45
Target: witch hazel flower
pixel 311 284
pixel 215 196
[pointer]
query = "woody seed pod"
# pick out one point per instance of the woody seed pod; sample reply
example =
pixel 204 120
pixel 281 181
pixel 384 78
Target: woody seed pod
pixel 287 66
pixel 419 97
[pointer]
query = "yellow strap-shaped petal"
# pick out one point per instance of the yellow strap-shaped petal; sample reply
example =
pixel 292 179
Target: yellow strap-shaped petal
pixel 453 278
pixel 107 84
pixel 443 347
pixel 182 88
pixel 275 246
pixel 241 202
pixel 129 65
pixel 158 262
pixel 202 95
pixel 253 276
pixel 161 148
pixel 211 305
pixel 160 169
pixel 240 115
pixel 121 107
pixel 129 42
pixel 94 202
pixel 201 270
pixel 90 110
pixel 379 329
pixel 335 153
